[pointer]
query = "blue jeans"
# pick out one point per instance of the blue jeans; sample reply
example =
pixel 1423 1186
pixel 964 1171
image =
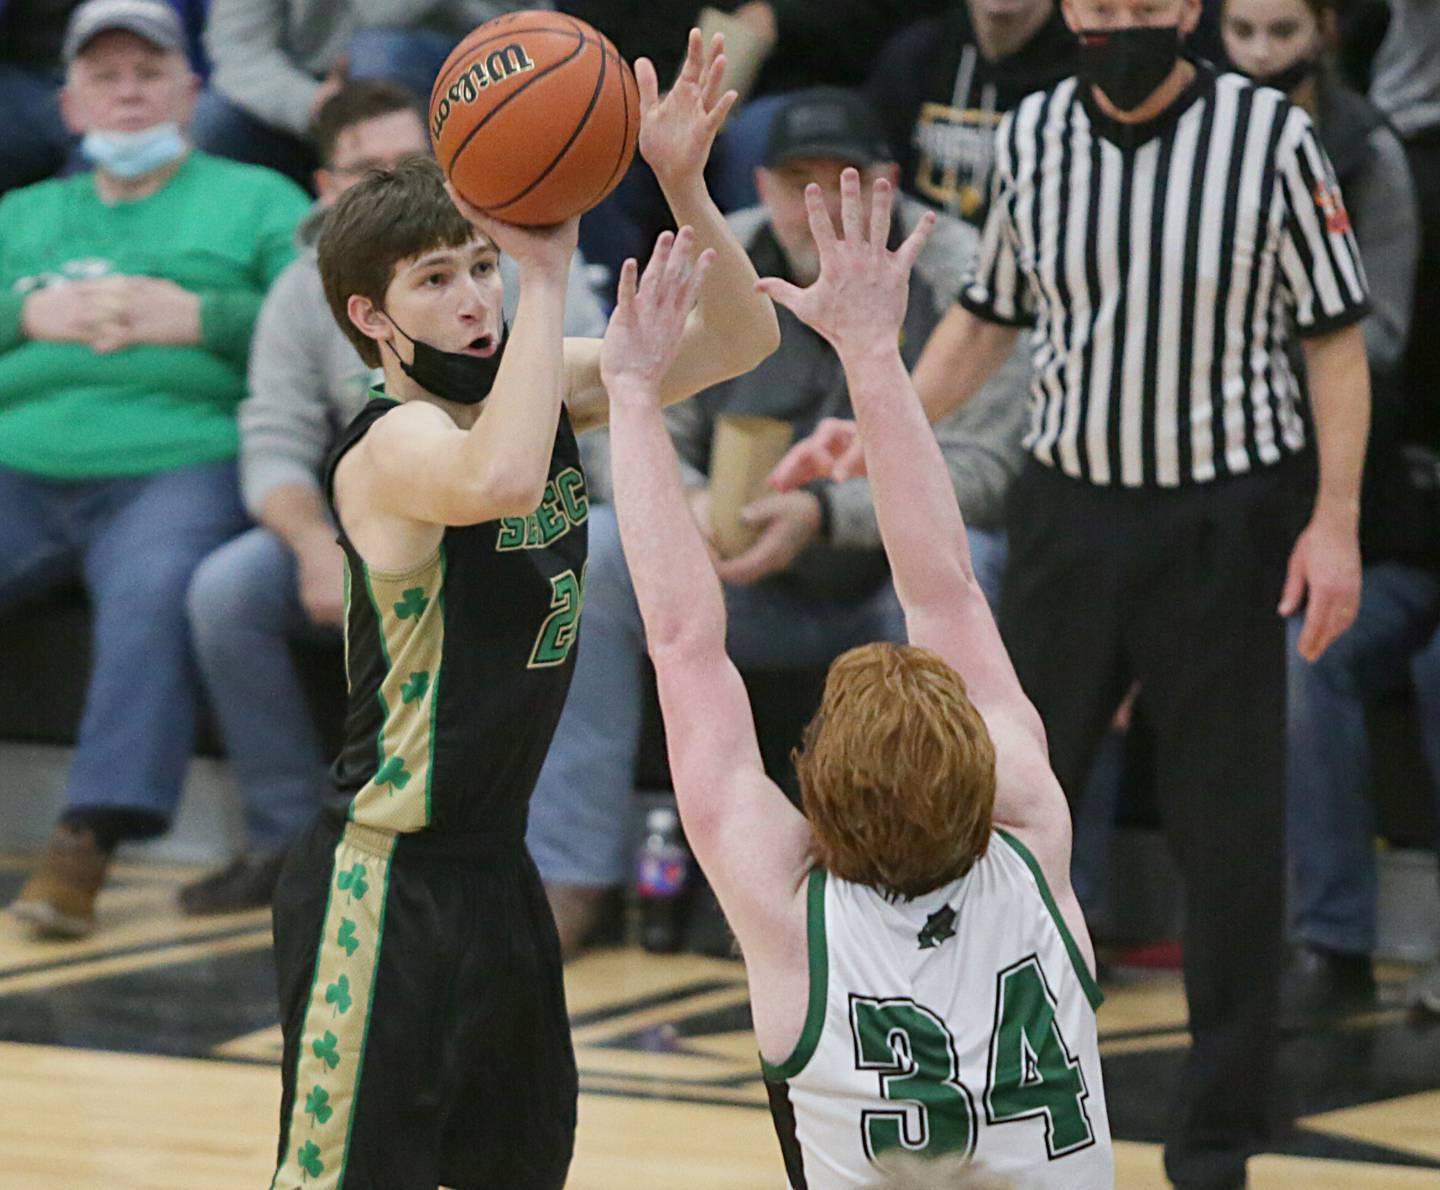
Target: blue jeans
pixel 134 543
pixel 1330 818
pixel 1094 828
pixel 245 610
pixel 578 812
pixel 410 57
pixel 36 142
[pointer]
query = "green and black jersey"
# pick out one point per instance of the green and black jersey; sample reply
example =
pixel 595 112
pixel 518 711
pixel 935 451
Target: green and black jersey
pixel 457 668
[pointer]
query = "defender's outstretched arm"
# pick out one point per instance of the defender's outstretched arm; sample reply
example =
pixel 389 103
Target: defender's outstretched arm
pixel 751 842
pixel 733 327
pixel 858 304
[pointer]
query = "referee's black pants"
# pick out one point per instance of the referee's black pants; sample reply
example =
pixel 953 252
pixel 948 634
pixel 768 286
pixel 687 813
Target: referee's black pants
pixel 1178 589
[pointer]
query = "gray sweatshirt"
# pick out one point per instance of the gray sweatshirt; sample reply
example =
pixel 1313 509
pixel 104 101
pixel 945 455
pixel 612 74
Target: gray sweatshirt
pixel 306 381
pixel 1406 84
pixel 803 382
pixel 1374 178
pixel 269 55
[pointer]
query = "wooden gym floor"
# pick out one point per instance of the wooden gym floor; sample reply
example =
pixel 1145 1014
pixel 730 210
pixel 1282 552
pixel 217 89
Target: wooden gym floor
pixel 145 1059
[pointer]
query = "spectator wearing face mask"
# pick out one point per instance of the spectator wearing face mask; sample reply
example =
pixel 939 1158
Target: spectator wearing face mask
pixel 127 297
pixel 37 145
pixel 1284 44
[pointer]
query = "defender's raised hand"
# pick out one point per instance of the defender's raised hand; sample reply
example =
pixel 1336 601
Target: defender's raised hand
pixel 676 132
pixel 860 297
pixel 857 303
pixel 643 337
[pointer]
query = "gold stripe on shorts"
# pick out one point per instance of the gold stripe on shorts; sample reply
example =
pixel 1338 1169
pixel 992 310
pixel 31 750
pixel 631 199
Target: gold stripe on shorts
pixel 332 1047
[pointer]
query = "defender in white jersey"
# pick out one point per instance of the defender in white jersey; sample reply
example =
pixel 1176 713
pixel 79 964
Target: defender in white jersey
pixel 919 969
pixel 898 1051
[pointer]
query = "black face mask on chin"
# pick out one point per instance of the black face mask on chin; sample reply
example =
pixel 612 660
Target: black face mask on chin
pixel 452 375
pixel 1288 79
pixel 1128 65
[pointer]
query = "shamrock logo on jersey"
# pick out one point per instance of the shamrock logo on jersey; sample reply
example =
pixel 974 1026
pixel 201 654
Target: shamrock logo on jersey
pixel 412 603
pixel 353 882
pixel 325 1050
pixel 317 1105
pixel 939 926
pixel 338 994
pixel 347 937
pixel 393 773
pixel 309 1160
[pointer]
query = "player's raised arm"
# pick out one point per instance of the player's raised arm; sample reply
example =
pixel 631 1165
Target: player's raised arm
pixel 733 326
pixel 752 843
pixel 858 305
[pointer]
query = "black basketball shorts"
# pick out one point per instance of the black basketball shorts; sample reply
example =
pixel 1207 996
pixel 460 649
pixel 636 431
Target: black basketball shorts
pixel 426 1039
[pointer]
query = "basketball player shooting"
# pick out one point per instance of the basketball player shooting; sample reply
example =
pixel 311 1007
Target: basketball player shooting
pixel 919 969
pixel 422 1005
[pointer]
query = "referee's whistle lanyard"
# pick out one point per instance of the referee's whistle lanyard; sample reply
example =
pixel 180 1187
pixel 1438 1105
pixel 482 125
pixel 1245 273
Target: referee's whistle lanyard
pixel 1128 65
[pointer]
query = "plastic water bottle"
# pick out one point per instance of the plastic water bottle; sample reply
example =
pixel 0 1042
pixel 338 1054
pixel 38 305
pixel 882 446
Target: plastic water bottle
pixel 662 873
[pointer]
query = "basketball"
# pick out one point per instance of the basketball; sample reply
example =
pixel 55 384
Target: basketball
pixel 534 117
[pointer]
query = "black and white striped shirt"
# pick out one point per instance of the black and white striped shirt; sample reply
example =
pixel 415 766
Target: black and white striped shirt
pixel 1164 268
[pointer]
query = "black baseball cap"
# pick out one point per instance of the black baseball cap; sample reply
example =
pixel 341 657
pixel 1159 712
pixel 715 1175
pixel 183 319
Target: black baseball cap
pixel 826 122
pixel 153 20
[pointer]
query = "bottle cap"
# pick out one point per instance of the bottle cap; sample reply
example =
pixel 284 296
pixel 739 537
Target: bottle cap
pixel 661 818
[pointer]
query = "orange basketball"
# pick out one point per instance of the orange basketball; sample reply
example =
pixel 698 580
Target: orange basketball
pixel 534 117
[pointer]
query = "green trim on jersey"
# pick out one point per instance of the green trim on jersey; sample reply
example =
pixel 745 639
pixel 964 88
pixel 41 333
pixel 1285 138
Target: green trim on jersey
pixel 434 691
pixel 819 985
pixel 345 636
pixel 380 690
pixel 1077 960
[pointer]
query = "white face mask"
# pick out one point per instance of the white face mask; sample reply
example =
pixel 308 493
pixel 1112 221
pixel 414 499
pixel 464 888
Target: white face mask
pixel 134 154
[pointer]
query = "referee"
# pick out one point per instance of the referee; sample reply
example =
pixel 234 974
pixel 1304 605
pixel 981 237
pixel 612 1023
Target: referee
pixel 1166 232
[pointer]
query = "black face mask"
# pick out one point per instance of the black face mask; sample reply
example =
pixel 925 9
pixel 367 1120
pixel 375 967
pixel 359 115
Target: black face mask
pixel 453 375
pixel 1128 65
pixel 1288 79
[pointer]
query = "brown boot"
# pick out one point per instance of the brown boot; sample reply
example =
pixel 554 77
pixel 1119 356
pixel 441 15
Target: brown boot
pixel 59 898
pixel 576 908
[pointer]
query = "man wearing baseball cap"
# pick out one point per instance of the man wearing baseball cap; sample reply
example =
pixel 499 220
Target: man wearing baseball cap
pixel 127 297
pixel 154 21
pixel 814 582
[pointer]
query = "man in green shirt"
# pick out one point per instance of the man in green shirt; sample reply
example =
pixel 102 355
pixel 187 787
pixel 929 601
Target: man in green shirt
pixel 127 298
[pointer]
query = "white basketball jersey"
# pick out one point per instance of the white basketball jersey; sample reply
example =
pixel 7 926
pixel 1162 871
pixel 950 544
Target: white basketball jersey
pixel 962 1021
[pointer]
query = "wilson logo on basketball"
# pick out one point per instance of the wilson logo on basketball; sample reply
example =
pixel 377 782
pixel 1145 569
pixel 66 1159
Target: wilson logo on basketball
pixel 504 63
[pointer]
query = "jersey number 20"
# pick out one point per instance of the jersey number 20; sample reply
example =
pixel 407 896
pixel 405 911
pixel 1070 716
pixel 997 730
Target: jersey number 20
pixel 1031 1071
